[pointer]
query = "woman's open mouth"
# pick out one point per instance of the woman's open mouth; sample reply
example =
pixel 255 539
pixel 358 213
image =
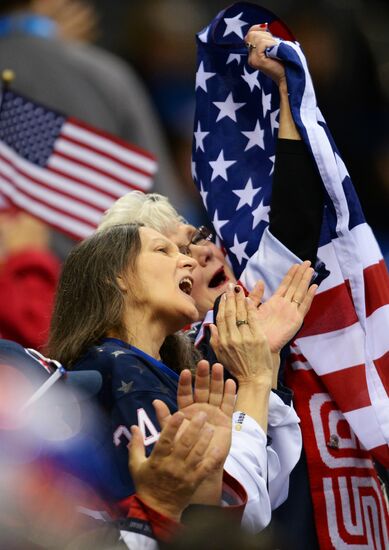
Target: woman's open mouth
pixel 219 279
pixel 186 285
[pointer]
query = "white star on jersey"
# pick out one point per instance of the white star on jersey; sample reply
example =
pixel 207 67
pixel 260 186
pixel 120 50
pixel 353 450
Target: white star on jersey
pixel 219 166
pixel 228 108
pixel 218 224
pixel 202 76
pixel 255 137
pixel 239 249
pixel 234 24
pixel 246 195
pixel 118 352
pixel 251 79
pixel 199 135
pixel 261 213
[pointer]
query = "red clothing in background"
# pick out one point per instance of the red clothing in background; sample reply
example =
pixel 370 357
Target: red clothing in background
pixel 28 281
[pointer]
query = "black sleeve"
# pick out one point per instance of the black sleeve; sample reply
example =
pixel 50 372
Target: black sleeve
pixel 297 199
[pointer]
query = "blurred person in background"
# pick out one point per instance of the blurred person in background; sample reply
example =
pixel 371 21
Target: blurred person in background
pixel 46 44
pixel 29 273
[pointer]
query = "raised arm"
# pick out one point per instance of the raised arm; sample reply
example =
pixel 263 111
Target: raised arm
pixel 297 195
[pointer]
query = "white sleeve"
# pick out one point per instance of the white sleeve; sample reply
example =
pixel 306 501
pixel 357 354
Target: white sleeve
pixel 264 470
pixel 247 463
pixel 270 263
pixel 284 451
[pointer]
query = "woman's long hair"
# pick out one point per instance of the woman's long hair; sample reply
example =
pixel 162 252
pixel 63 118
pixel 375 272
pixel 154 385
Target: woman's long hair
pixel 89 302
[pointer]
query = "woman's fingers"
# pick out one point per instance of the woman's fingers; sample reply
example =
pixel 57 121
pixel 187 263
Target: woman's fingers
pixel 257 293
pixel 184 390
pixel 184 445
pixel 251 312
pixel 306 304
pixel 260 38
pixel 230 315
pixel 229 396
pixel 162 411
pixel 217 385
pixel 302 286
pixel 221 318
pixel 200 444
pixel 298 275
pixel 240 305
pixel 202 379
pixel 215 341
pixel 259 27
pixel 136 448
pixel 165 443
pixel 281 290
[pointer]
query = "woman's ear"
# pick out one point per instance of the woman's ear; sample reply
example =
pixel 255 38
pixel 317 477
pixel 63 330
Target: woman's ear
pixel 122 283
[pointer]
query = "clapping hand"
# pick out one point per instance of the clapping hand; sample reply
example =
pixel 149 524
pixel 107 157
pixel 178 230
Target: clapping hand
pixel 210 395
pixel 167 480
pixel 282 315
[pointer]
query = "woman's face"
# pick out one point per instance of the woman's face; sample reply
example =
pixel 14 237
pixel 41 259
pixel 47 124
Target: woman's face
pixel 165 281
pixel 212 273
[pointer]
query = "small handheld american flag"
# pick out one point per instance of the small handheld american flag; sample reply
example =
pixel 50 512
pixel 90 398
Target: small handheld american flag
pixel 64 171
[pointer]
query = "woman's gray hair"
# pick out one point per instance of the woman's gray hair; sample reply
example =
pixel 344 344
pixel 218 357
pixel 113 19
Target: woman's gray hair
pixel 152 210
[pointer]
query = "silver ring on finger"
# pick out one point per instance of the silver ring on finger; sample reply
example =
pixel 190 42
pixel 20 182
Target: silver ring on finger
pixel 250 46
pixel 241 322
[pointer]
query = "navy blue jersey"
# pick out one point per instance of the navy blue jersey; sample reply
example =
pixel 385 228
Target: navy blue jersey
pixel 131 381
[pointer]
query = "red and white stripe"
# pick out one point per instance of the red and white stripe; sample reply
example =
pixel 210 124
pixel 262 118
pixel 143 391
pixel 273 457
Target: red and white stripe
pixel 345 335
pixel 87 171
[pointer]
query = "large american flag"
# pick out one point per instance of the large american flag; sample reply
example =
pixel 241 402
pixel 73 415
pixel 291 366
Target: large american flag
pixel 345 337
pixel 64 171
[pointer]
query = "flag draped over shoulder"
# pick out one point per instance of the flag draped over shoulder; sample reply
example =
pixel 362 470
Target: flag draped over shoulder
pixel 62 170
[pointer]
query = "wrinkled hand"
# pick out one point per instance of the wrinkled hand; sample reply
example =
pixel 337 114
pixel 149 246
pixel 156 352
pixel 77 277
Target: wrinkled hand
pixel 238 340
pixel 169 477
pixel 282 315
pixel 257 58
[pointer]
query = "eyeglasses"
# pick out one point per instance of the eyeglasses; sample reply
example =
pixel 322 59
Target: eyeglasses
pixel 200 237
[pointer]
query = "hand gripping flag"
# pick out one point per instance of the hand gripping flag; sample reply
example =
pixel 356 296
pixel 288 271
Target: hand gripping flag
pixel 64 171
pixel 341 355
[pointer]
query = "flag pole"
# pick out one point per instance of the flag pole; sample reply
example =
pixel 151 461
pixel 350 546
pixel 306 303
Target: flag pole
pixel 7 77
